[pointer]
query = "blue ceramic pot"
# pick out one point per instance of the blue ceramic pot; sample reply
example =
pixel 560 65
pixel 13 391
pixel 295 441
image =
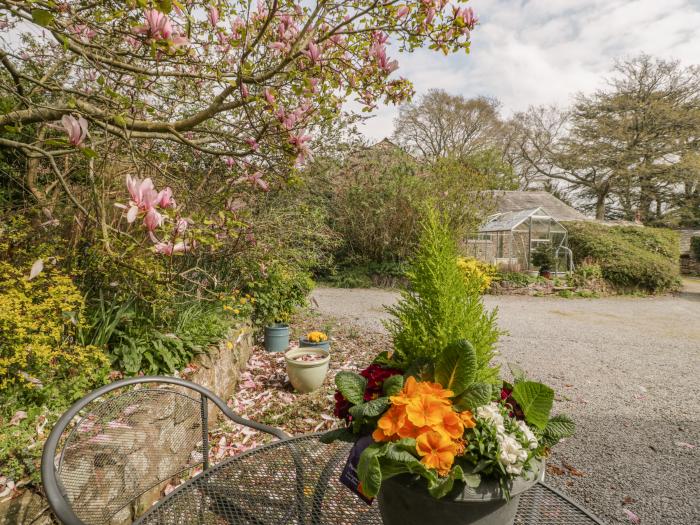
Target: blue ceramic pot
pixel 323 345
pixel 277 337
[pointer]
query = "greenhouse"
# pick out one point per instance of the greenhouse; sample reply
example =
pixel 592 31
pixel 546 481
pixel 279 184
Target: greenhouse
pixel 508 240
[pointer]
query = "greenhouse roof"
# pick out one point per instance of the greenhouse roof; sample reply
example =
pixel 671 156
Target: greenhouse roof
pixel 510 220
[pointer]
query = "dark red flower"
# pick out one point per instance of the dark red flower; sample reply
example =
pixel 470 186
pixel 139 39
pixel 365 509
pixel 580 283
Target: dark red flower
pixel 375 375
pixel 508 400
pixel 342 407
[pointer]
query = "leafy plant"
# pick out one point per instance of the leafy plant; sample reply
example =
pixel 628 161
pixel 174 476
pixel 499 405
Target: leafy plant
pixel 441 304
pixel 543 257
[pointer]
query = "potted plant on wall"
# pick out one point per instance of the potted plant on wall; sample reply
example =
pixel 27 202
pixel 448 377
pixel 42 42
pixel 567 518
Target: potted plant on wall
pixel 439 437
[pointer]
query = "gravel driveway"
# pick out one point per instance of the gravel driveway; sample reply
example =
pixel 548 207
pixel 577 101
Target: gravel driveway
pixel 626 369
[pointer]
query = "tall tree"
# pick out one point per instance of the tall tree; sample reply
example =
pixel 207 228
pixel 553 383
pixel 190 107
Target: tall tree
pixel 442 125
pixel 626 150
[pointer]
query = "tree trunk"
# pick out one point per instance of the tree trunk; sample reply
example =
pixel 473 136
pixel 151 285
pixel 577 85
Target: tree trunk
pixel 600 207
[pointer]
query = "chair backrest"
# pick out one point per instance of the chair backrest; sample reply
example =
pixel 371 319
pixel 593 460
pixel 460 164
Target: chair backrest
pixel 120 442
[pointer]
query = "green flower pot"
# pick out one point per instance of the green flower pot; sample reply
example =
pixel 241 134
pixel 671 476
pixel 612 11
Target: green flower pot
pixel 323 345
pixel 404 500
pixel 307 376
pixel 276 337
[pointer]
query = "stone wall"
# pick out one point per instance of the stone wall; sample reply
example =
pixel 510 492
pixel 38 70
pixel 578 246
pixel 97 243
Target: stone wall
pixel 138 442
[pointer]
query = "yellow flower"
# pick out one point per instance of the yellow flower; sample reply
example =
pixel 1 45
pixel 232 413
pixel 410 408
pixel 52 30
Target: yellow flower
pixel 236 311
pixel 316 337
pixel 242 300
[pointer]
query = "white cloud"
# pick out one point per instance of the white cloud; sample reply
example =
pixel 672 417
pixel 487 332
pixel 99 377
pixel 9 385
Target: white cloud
pixel 543 51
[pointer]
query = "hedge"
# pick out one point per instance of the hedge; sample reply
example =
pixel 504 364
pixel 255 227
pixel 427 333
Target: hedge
pixel 630 257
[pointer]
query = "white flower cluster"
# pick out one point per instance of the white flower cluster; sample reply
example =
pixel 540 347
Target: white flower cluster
pixel 512 448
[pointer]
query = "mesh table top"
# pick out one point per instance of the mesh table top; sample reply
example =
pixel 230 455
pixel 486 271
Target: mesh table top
pixel 297 482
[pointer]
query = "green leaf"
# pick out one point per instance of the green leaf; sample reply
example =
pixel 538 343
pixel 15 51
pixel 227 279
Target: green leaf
pixel 369 470
pixel 518 372
pixel 120 121
pixel 442 486
pixel 352 386
pixel 536 400
pixel 476 395
pixel 339 434
pixel 372 408
pixel 42 17
pixel 164 6
pixel 456 368
pixel 88 152
pixel 393 385
pixel 558 428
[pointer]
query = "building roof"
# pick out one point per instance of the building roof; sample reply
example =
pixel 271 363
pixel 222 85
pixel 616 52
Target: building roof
pixel 510 220
pixel 516 201
pixel 507 221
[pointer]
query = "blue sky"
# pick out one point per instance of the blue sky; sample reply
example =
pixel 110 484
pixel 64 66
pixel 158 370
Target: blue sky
pixel 542 51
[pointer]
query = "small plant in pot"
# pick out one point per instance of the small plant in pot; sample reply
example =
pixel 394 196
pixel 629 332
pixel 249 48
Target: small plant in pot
pixel 276 337
pixel 315 339
pixel 307 368
pixel 543 257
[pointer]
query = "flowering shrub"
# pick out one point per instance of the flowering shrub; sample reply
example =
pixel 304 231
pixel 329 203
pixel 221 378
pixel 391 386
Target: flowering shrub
pixel 476 270
pixel 42 368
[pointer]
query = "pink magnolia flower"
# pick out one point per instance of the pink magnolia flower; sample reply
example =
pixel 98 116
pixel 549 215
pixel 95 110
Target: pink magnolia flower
pixel 168 248
pixel 152 219
pixel 229 162
pixel 244 91
pixel 76 128
pixel 253 144
pixel 82 32
pixel 181 226
pixel 313 53
pixel 300 142
pixel 269 97
pixel 158 25
pixel 237 24
pixel 164 199
pixel 256 179
pixel 314 82
pixel 429 15
pixel 402 12
pixel 213 15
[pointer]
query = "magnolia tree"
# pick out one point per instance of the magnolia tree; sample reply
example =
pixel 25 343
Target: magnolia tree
pixel 241 84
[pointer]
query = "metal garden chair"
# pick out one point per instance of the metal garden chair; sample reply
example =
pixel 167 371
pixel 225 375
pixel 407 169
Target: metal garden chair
pixel 114 450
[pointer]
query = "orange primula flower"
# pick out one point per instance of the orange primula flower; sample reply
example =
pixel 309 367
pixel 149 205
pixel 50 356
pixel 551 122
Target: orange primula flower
pixel 392 420
pixel 426 411
pixel 409 430
pixel 437 451
pixel 468 419
pixel 451 425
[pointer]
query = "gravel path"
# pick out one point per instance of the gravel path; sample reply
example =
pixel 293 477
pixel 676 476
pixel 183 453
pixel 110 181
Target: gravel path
pixel 626 369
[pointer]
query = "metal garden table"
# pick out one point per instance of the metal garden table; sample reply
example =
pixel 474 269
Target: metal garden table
pixel 296 481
